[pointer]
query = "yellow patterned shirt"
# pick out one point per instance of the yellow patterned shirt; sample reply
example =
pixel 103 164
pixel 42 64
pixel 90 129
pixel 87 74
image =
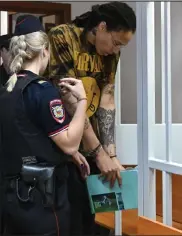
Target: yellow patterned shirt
pixel 70 57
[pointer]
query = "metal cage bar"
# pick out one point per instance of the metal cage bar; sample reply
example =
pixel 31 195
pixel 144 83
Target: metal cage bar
pixel 118 93
pixel 166 88
pixel 139 60
pixel 146 105
pixel 118 214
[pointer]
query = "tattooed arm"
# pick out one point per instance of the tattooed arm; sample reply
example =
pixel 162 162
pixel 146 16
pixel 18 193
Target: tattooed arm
pixel 89 140
pixel 106 120
pixel 107 166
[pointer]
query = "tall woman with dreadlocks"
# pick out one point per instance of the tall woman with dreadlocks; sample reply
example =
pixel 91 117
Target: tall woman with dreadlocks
pixel 88 49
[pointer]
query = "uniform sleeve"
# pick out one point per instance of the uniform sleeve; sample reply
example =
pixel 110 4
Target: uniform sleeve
pixel 114 69
pixel 46 108
pixel 61 57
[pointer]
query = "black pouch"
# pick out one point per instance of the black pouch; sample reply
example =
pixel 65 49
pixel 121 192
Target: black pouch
pixel 42 177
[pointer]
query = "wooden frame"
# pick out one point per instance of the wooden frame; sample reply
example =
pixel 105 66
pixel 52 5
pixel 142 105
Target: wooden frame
pixel 48 26
pixel 63 10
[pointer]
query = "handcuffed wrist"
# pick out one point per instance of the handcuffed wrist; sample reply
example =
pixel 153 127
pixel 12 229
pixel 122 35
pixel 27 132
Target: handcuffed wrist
pixel 95 151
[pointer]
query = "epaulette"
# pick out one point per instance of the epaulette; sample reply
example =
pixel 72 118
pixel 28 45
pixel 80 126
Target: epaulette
pixel 44 83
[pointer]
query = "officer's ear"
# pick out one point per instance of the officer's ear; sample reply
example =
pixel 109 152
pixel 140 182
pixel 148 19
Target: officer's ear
pixel 45 53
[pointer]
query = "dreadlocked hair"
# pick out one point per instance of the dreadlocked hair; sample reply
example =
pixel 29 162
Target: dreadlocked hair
pixel 117 16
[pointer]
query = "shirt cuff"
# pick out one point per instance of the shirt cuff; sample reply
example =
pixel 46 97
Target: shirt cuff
pixel 58 131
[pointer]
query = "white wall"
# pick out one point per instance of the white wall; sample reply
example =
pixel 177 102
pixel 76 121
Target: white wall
pixel 80 7
pixel 128 80
pixel 176 42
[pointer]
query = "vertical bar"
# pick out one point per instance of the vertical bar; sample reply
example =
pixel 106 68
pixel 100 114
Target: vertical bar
pixel 167 198
pixel 168 114
pixel 148 106
pixel 118 93
pixel 118 214
pixel 162 62
pixel 139 60
pixel 3 23
pixel 118 223
pixel 165 8
pixel 152 193
pixel 166 74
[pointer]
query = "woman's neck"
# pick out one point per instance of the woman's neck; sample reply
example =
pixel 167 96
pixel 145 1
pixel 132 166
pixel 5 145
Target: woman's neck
pixel 33 67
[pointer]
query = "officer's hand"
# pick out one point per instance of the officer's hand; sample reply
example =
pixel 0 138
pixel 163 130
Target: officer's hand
pixel 75 86
pixel 109 169
pixel 82 164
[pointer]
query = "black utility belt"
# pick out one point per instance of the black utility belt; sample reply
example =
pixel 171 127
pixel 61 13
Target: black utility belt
pixel 40 176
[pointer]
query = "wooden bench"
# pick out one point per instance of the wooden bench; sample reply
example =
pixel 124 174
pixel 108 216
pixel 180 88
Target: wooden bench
pixel 150 227
pixel 130 221
pixel 130 217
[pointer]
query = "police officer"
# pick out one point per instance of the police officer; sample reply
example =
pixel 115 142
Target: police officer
pixel 4 48
pixel 38 138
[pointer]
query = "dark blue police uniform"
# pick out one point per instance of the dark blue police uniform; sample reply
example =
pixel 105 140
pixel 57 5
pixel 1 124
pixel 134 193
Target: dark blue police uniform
pixel 33 112
pixel 46 116
pixel 43 104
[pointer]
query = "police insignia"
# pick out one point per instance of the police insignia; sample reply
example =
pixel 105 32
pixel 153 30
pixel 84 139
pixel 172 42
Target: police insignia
pixel 57 110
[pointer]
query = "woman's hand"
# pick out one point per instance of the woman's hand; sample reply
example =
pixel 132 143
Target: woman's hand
pixel 110 171
pixel 117 162
pixel 120 167
pixel 82 164
pixel 75 86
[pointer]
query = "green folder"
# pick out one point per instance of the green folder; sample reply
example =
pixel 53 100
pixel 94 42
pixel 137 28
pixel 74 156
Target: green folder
pixel 105 199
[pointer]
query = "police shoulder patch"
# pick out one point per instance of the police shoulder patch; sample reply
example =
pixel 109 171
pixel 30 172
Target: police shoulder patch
pixel 42 81
pixel 57 110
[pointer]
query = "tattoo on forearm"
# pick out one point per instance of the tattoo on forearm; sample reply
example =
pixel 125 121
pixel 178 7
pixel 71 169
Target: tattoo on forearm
pixel 87 123
pixel 109 89
pixel 106 122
